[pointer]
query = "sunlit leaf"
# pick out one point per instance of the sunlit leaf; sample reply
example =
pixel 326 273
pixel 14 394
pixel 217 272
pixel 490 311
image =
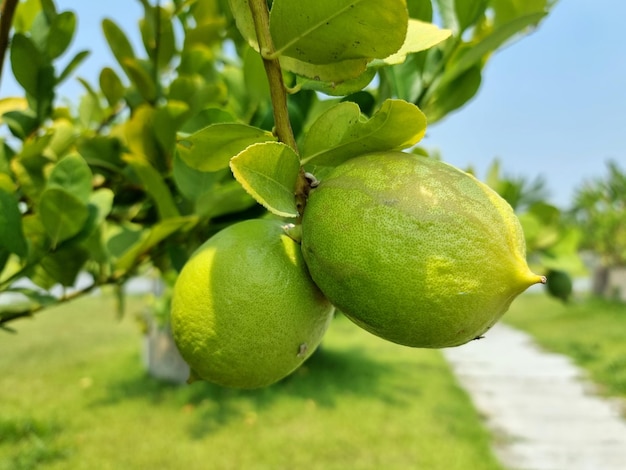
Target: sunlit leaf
pixel 25 14
pixel 420 36
pixel 329 31
pixel 268 171
pixel 341 133
pixel 211 148
pixel 12 104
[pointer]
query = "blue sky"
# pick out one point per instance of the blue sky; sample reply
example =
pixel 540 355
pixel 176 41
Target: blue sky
pixel 552 104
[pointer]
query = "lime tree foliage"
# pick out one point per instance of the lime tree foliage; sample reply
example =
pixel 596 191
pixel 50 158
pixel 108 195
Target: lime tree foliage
pixel 599 209
pixel 219 116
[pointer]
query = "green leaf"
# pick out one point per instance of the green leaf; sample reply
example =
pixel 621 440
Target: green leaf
pixel 102 202
pixel 225 198
pixel 155 186
pixel 118 42
pixel 447 14
pixel 61 33
pixel 30 177
pixel 506 11
pixel 449 96
pixel 90 112
pixel 151 237
pixel 329 31
pixel 73 65
pixel 4 258
pixel 255 76
pixel 168 119
pixel 25 63
pixel 25 15
pixel 472 54
pixel 468 12
pixel 102 152
pixel 244 21
pixel 21 123
pixel 65 264
pixel 157 34
pixel 65 134
pixel 72 174
pixel 340 88
pixel 44 97
pixel 420 10
pixel 269 171
pixel 62 214
pixel 111 86
pixel 11 234
pixel 342 133
pixel 211 148
pixel 193 183
pixel 140 137
pixel 334 73
pixel 141 78
pixel 420 36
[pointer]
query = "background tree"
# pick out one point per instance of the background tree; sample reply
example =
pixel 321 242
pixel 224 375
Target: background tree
pixel 137 174
pixel 600 211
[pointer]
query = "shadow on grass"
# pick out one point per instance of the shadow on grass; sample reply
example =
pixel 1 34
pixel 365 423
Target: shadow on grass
pixel 326 377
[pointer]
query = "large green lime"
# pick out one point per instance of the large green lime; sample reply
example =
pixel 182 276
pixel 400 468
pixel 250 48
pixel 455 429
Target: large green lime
pixel 414 250
pixel 245 312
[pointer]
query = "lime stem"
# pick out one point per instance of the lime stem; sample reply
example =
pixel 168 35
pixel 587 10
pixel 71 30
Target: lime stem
pixel 278 91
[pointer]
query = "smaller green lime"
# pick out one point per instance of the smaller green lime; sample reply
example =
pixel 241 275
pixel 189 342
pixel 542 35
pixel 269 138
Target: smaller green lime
pixel 245 312
pixel 559 284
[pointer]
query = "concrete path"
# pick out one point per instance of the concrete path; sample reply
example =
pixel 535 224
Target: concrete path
pixel 543 414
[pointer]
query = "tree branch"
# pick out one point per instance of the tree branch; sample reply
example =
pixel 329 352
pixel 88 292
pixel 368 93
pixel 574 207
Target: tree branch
pixel 278 91
pixel 7 10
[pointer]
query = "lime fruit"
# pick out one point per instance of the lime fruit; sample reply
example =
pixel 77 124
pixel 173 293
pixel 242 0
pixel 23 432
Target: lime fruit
pixel 414 250
pixel 559 284
pixel 245 312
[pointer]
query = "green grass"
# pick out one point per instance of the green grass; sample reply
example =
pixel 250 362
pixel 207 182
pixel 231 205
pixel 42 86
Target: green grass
pixel 591 331
pixel 73 395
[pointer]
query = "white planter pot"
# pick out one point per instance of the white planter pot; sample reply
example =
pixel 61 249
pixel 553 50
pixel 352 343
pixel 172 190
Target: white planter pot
pixel 161 358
